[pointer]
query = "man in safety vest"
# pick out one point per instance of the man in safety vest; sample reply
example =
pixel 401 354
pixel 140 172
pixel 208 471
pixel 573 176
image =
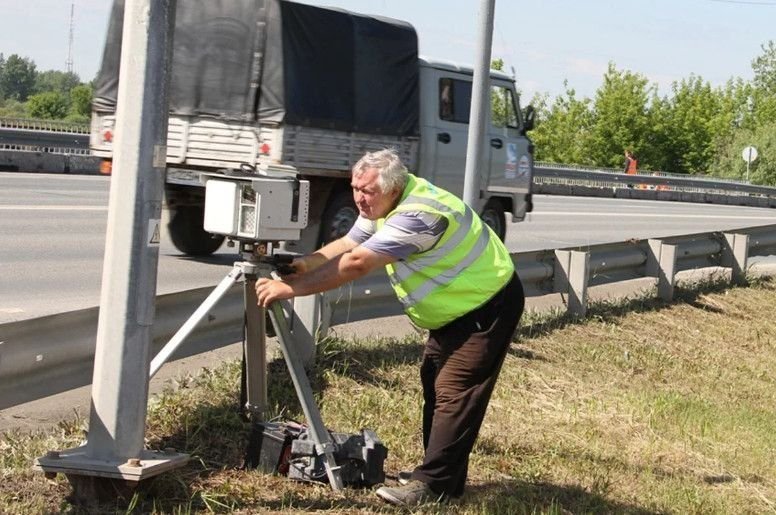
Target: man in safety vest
pixel 453 277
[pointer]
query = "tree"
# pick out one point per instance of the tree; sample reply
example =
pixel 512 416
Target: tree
pixel 562 132
pixel 18 78
pixel 763 170
pixel 621 118
pixel 698 118
pixel 55 80
pixel 764 67
pixel 80 102
pixel 52 105
pixel 2 67
pixel 763 95
pixel 10 108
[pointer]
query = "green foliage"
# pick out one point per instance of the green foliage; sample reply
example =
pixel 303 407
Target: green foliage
pixel 689 126
pixel 10 108
pixel 562 131
pixel 55 80
pixel 81 100
pixel 17 78
pixel 620 118
pixel 695 129
pixel 762 171
pixel 764 67
pixel 49 105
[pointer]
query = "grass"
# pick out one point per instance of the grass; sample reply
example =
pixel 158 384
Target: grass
pixel 642 407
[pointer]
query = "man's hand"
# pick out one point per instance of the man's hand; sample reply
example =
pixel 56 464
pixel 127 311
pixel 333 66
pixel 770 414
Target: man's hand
pixel 270 290
pixel 296 268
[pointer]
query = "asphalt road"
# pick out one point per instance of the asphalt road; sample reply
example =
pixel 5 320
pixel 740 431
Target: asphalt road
pixel 52 238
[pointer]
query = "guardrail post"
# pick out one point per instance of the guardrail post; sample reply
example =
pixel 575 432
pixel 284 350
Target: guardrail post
pixel 572 268
pixel 661 263
pixel 560 275
pixel 735 253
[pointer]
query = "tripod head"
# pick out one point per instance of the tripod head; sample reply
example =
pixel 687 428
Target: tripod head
pixel 263 253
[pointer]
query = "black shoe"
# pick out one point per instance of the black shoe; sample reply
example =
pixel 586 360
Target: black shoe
pixel 412 494
pixel 404 477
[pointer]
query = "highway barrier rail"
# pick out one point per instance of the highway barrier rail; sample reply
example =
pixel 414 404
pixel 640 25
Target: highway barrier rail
pixel 49 146
pixel 556 179
pixel 44 356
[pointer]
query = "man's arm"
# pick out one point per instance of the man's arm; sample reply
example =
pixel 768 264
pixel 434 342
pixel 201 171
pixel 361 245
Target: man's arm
pixel 332 273
pixel 329 251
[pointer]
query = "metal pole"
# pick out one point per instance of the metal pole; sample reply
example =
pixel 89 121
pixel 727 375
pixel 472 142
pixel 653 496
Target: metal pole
pixel 114 448
pixel 479 106
pixel 122 356
pixel 748 163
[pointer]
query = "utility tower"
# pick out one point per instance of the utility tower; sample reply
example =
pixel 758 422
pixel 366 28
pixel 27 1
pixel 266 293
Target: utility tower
pixel 69 62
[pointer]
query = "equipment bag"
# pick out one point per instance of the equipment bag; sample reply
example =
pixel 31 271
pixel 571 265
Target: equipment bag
pixel 288 449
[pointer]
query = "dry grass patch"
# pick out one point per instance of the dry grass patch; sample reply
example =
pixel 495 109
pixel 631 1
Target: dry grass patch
pixel 640 408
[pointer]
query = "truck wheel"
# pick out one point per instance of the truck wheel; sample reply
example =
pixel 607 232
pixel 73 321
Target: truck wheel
pixel 338 217
pixel 187 234
pixel 493 215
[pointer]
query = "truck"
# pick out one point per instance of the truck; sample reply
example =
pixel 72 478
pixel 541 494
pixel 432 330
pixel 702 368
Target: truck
pixel 260 82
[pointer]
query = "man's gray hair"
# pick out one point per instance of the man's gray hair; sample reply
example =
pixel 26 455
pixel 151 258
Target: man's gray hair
pixel 392 174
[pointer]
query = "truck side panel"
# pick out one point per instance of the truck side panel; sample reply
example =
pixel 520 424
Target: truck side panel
pixel 211 144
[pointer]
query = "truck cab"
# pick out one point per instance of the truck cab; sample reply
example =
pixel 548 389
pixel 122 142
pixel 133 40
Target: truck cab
pixel 505 174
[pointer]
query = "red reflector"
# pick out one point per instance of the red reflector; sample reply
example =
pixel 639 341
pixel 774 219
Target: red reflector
pixel 106 167
pixel 264 148
pixel 107 136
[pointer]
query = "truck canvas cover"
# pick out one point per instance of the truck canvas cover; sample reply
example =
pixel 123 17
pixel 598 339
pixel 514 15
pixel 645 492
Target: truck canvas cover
pixel 274 61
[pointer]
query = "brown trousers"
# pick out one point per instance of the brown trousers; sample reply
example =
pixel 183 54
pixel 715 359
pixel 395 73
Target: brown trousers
pixel 461 363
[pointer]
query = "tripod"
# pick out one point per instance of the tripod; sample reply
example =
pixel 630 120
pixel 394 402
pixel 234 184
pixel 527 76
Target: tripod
pixel 257 264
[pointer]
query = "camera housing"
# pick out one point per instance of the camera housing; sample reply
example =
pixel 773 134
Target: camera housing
pixel 270 204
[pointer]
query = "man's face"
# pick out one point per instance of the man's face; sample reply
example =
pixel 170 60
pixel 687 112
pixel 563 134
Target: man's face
pixel 371 202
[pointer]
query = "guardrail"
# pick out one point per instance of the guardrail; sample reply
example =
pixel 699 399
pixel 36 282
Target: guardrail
pixel 559 180
pixel 44 125
pixel 48 355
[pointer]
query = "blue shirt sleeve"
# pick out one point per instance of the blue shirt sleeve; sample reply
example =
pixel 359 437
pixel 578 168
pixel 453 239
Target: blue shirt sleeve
pixel 406 233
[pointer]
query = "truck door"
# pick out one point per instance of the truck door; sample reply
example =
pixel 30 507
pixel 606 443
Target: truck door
pixel 450 130
pixel 510 160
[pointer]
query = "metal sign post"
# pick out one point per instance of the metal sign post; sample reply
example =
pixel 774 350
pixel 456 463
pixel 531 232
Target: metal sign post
pixel 479 106
pixel 749 154
pixel 115 444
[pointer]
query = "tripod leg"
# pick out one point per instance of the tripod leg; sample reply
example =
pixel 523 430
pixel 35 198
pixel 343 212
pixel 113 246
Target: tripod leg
pixel 190 324
pixel 255 351
pixel 323 443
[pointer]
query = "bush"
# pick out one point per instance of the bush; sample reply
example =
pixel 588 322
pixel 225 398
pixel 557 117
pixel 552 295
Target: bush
pixel 50 105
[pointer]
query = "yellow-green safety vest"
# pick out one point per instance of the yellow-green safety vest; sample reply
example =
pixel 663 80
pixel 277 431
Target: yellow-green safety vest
pixel 467 266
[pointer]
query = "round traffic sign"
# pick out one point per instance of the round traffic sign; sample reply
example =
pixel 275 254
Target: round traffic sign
pixel 749 154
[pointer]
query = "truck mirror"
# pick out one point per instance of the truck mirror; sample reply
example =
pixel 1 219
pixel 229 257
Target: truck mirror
pixel 528 119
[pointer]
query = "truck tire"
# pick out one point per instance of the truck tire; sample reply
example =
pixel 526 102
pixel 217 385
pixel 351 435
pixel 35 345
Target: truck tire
pixel 493 215
pixel 338 217
pixel 187 234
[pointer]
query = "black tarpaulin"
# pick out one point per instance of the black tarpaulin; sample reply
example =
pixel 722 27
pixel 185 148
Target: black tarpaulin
pixel 278 61
pixel 216 59
pixel 349 71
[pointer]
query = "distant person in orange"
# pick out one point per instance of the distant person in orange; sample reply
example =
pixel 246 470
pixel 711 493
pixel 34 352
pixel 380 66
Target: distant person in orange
pixel 631 164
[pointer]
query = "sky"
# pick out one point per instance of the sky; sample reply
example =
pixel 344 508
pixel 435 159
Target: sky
pixel 546 42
